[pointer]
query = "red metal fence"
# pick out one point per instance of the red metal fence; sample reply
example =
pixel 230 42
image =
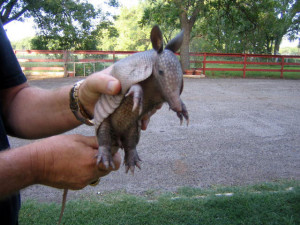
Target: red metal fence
pixel 63 63
pixel 248 59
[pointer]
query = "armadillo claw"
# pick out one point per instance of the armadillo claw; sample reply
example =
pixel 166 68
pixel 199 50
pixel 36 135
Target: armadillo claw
pixel 131 160
pixel 104 156
pixel 183 114
pixel 137 102
pixel 137 92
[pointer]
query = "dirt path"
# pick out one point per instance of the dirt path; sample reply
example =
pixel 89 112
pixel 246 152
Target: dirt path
pixel 241 131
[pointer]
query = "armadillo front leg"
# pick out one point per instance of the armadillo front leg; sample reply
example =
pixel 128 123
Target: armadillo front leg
pixel 104 141
pixel 130 142
pixel 136 92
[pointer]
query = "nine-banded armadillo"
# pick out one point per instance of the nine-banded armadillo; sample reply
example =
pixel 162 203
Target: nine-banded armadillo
pixel 147 79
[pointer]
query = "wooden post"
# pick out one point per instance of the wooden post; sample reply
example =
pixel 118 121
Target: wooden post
pixel 114 57
pixel 245 64
pixel 66 59
pixel 282 66
pixel 204 63
pixel 74 68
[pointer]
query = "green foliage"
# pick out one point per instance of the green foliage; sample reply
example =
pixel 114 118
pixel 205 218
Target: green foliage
pixel 249 26
pixel 66 24
pixel 153 14
pixel 23 44
pixel 268 203
pixel 62 24
pixel 125 34
pixel 242 26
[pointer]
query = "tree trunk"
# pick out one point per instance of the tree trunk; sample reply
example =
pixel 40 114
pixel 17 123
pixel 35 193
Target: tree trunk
pixel 277 45
pixel 185 47
pixel 187 22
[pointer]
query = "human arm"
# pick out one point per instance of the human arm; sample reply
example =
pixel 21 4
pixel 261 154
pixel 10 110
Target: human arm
pixel 31 112
pixel 58 161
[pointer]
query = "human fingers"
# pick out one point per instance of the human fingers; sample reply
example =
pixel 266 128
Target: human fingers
pixel 103 82
pixel 95 85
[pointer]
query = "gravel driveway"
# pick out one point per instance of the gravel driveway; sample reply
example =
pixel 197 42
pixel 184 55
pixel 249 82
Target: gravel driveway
pixel 241 131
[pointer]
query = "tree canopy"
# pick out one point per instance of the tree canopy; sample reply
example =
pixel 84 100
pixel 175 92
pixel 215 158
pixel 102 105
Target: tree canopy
pixel 242 26
pixel 62 24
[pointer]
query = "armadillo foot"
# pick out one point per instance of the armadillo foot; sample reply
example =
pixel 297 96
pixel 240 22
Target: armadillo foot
pixel 184 113
pixel 131 160
pixel 137 92
pixel 104 156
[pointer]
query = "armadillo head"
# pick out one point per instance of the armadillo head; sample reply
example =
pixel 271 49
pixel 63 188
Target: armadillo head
pixel 168 72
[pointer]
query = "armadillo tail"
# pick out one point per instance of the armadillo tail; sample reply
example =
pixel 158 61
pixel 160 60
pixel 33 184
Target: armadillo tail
pixel 63 204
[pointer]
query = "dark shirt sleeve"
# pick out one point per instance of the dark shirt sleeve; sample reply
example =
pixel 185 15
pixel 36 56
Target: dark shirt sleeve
pixel 10 71
pixel 10 75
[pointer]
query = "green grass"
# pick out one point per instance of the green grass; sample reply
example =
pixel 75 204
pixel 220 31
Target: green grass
pixel 267 203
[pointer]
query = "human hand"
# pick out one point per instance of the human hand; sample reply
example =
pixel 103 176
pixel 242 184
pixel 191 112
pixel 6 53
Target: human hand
pixel 96 84
pixel 68 161
pixel 102 83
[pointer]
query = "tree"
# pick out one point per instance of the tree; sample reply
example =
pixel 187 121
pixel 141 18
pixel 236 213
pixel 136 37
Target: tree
pixel 65 24
pixel 250 26
pixel 188 11
pixel 125 33
pixel 228 25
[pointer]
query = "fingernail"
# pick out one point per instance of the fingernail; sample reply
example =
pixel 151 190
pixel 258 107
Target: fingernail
pixel 111 86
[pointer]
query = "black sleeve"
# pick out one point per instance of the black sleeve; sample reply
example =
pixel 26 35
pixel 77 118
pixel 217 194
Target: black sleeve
pixel 10 71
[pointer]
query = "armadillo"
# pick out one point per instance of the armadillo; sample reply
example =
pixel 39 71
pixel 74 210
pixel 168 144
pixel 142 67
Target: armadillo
pixel 147 79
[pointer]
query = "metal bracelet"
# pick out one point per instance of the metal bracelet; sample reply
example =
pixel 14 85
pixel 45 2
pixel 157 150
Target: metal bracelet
pixel 77 108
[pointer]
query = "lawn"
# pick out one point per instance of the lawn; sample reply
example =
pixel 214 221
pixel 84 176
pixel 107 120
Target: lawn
pixel 265 203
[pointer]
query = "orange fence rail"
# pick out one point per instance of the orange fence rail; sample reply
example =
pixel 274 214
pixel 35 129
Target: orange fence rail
pixel 67 58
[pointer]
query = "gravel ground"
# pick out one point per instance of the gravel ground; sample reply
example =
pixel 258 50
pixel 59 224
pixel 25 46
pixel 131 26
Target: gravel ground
pixel 242 131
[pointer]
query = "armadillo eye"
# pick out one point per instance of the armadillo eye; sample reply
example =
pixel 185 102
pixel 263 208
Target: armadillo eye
pixel 160 72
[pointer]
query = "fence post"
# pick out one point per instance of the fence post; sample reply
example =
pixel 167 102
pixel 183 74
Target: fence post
pixel 66 59
pixel 282 65
pixel 245 64
pixel 204 62
pixel 74 69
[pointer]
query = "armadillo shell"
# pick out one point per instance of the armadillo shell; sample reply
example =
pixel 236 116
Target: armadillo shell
pixel 128 71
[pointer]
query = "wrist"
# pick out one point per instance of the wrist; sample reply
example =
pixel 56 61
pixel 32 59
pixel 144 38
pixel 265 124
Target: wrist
pixel 76 106
pixel 36 167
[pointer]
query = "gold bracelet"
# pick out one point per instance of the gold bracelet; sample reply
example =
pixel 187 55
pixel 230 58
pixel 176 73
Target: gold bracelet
pixel 77 108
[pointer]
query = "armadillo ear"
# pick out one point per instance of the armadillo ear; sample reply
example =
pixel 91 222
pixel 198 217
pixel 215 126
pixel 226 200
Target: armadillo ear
pixel 157 39
pixel 175 44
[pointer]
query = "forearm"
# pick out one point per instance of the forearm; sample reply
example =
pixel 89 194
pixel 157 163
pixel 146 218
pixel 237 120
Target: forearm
pixel 31 112
pixel 36 113
pixel 63 161
pixel 15 170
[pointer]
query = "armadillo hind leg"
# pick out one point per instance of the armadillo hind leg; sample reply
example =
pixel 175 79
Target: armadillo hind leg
pixel 136 92
pixel 104 141
pixel 130 142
